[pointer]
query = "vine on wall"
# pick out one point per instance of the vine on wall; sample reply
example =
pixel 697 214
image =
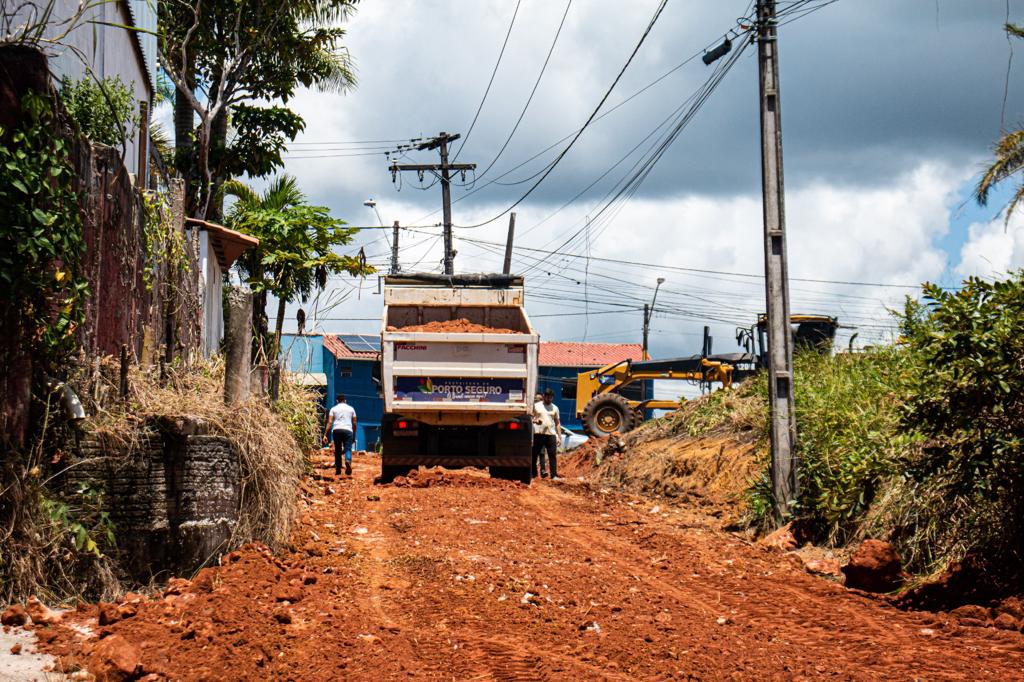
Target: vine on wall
pixel 164 242
pixel 41 243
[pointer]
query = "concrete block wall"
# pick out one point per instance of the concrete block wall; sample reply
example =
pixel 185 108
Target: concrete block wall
pixel 173 502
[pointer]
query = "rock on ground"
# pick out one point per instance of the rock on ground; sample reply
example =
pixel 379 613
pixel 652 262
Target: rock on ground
pixel 115 659
pixel 874 567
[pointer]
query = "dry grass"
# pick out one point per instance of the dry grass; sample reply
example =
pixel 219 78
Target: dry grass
pixel 271 460
pixel 706 453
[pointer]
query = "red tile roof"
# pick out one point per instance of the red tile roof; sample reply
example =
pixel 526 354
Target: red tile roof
pixel 552 353
pixel 571 354
pixel 338 349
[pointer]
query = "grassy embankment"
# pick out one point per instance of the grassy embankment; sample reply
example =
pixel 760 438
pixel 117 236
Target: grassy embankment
pixel 918 443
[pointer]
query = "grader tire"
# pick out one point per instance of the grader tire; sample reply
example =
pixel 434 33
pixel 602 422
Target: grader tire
pixel 638 417
pixel 607 413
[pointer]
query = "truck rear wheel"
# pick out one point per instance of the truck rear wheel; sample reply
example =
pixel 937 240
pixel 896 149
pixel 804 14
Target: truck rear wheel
pixel 607 413
pixel 388 473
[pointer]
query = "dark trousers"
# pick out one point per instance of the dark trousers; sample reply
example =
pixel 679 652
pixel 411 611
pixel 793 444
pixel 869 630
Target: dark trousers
pixel 342 443
pixel 542 442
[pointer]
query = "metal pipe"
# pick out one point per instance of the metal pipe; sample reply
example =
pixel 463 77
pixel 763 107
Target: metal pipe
pixel 74 411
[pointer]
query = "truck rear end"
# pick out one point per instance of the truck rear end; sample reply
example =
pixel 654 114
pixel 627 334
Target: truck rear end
pixel 459 372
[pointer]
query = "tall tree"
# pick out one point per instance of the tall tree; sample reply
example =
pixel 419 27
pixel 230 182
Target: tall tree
pixel 1009 158
pixel 296 252
pixel 223 56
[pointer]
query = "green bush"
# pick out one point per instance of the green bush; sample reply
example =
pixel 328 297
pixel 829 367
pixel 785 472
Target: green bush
pixel 849 437
pixel 970 404
pixel 105 111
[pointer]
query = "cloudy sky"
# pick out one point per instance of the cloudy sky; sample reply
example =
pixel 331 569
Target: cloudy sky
pixel 889 108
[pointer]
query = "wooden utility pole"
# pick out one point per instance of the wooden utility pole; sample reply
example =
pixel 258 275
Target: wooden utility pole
pixel 782 422
pixel 394 250
pixel 507 269
pixel 444 168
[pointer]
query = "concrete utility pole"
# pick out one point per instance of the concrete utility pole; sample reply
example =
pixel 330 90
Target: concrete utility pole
pixel 507 269
pixel 444 168
pixel 395 267
pixel 238 342
pixel 648 311
pixel 782 422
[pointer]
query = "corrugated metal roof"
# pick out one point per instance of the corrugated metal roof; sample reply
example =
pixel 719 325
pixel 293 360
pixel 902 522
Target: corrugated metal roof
pixel 144 16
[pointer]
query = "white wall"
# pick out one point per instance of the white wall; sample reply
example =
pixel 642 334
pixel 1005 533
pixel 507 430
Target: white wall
pixel 211 286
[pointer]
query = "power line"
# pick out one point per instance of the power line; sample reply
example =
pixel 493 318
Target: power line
pixel 554 144
pixel 680 268
pixel 645 164
pixel 529 99
pixel 590 119
pixel 490 82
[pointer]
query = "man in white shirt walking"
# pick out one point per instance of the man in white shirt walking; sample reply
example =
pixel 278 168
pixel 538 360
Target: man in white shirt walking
pixel 341 422
pixel 546 427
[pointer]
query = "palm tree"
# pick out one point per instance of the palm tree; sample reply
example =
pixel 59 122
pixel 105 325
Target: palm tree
pixel 295 255
pixel 1009 159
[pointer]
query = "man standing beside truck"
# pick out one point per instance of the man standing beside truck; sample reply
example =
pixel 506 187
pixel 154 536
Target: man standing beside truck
pixel 341 423
pixel 546 427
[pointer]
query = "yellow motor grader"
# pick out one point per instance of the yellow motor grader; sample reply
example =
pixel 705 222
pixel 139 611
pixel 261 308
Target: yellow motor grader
pixel 603 409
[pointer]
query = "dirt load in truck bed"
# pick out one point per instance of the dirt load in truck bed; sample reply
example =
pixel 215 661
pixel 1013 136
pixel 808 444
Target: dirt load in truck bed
pixel 460 326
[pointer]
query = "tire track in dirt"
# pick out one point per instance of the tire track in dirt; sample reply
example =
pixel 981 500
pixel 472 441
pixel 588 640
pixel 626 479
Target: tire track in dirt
pixel 862 631
pixel 468 580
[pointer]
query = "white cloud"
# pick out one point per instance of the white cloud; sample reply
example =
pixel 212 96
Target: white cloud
pixel 993 248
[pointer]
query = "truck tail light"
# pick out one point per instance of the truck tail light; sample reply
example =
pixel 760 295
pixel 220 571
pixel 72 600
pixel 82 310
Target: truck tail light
pixel 511 426
pixel 404 427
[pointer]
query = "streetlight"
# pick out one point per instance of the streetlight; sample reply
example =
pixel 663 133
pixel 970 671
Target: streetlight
pixel 371 203
pixel 648 312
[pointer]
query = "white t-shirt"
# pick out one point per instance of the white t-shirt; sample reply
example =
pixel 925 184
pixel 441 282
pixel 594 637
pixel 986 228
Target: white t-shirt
pixel 341 417
pixel 546 416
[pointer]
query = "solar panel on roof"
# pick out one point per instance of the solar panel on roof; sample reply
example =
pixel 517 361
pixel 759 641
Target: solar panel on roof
pixel 361 343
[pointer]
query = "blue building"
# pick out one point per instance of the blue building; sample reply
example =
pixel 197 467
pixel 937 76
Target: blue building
pixel 350 364
pixel 345 363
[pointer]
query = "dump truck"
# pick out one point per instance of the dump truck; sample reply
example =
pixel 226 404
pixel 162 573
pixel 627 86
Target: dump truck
pixel 458 374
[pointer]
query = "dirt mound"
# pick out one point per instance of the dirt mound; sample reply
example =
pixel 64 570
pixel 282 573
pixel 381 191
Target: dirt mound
pixel 964 583
pixel 459 326
pixel 713 470
pixel 434 478
pixel 874 567
pixel 582 461
pixel 193 620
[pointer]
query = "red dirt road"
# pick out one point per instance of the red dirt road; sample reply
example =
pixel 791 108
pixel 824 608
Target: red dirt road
pixel 473 579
